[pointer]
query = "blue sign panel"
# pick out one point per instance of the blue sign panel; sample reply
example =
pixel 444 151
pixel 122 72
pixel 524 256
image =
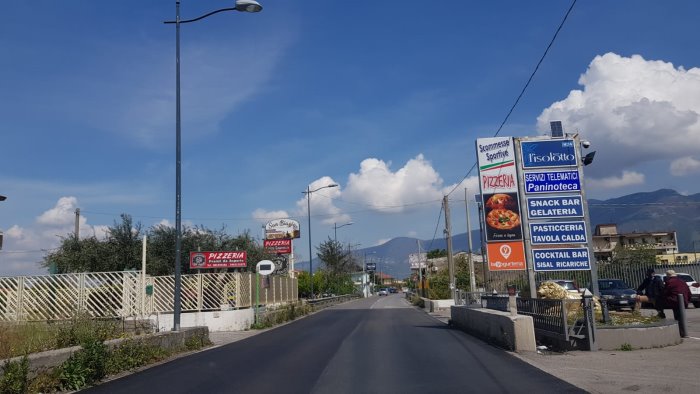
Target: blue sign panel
pixel 554 207
pixel 552 181
pixel 550 153
pixel 565 259
pixel 558 233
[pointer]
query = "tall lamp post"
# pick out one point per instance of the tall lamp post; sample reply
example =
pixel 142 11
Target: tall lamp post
pixel 308 211
pixel 336 227
pixel 242 6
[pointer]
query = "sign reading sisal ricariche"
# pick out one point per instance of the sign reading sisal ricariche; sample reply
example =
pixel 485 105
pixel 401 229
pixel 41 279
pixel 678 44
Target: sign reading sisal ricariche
pixel 226 259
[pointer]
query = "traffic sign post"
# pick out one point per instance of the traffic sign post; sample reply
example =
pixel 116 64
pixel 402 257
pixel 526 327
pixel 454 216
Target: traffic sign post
pixel 264 268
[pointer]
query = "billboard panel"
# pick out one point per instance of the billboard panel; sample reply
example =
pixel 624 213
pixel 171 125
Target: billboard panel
pixel 564 259
pixel 558 233
pixel 502 217
pixel 506 256
pixel 228 259
pixel 552 181
pixel 282 229
pixel 548 153
pixel 554 207
pixel 279 246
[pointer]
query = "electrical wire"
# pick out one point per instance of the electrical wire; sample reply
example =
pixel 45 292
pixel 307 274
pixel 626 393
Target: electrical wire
pixel 527 84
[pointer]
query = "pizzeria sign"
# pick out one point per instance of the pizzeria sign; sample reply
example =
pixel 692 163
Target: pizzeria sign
pixel 227 259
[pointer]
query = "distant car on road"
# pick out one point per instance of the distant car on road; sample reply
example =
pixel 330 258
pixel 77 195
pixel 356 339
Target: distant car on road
pixel 393 290
pixel 382 292
pixel 617 294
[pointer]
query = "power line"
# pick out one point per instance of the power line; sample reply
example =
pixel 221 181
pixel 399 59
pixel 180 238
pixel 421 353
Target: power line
pixel 522 92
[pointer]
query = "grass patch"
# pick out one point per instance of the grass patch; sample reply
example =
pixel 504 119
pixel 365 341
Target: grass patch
pixel 625 347
pixel 14 379
pixel 279 315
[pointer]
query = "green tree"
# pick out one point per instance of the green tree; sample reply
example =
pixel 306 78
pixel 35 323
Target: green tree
pixel 338 264
pixel 435 253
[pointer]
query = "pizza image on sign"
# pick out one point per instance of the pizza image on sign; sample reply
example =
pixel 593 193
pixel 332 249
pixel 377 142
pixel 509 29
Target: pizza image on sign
pixel 502 219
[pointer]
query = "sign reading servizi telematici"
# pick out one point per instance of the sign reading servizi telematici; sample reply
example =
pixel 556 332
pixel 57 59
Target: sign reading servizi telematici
pixel 203 260
pixel 552 182
pixel 564 259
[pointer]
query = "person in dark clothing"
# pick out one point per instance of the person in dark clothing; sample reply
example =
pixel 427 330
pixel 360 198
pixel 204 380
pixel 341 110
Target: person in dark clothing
pixel 675 286
pixel 651 291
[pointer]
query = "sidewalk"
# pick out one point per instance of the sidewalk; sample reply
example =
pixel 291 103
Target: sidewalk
pixel 671 369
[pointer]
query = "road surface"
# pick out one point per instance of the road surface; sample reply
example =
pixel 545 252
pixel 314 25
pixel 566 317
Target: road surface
pixel 373 345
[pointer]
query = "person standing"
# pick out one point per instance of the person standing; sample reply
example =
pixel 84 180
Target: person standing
pixel 675 286
pixel 651 291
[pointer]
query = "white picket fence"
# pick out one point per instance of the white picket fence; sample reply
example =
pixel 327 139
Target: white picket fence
pixel 125 294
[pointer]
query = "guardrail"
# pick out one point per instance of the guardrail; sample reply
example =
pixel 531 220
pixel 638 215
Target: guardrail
pixel 322 303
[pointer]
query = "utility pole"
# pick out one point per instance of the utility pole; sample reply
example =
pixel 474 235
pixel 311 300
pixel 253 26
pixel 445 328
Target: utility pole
pixel 420 269
pixel 472 277
pixel 77 224
pixel 450 261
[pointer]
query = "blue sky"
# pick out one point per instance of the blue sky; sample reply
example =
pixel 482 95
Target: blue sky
pixel 384 99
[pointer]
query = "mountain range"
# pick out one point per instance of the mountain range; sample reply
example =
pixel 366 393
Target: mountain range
pixel 661 210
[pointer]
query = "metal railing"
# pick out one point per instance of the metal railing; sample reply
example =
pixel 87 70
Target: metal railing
pixel 123 294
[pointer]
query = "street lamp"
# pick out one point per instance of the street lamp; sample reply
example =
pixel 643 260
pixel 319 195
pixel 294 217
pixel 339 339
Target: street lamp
pixel 242 6
pixel 336 227
pixel 308 209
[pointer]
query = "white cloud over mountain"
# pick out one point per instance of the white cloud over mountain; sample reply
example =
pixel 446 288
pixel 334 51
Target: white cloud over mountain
pixel 633 111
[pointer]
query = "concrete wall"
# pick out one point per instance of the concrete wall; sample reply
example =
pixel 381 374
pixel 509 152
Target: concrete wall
pixel 501 328
pixel 659 335
pixel 434 305
pixel 232 320
pixel 167 340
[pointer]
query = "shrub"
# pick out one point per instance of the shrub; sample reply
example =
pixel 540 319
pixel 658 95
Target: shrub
pixel 133 354
pixel 85 366
pixel 14 378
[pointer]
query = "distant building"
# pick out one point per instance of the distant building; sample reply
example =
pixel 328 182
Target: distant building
pixel 606 238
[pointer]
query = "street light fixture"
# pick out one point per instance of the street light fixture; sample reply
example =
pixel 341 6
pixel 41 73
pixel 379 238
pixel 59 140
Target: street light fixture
pixel 242 6
pixel 336 227
pixel 308 211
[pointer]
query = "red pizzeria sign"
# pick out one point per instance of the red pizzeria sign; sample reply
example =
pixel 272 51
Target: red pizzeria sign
pixel 229 259
pixel 279 246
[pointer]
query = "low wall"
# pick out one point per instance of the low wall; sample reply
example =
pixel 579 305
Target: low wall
pixel 515 333
pixel 651 336
pixel 435 305
pixel 231 320
pixel 167 340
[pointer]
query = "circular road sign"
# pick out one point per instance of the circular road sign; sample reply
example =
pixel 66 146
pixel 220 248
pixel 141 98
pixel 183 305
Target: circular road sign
pixel 265 267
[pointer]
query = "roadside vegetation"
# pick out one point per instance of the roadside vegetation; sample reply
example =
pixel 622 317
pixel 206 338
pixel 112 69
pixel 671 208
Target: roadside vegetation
pixel 87 366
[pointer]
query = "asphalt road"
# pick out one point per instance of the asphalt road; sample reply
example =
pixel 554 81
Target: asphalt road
pixel 373 345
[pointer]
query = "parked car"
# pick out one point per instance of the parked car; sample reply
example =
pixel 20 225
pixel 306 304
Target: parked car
pixel 617 294
pixel 382 292
pixel 692 284
pixel 393 290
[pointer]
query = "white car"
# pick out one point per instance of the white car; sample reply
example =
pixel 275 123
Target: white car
pixel 382 292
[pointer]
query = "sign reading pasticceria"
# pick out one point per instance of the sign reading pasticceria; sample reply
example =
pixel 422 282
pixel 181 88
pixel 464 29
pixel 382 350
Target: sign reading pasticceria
pixel 282 229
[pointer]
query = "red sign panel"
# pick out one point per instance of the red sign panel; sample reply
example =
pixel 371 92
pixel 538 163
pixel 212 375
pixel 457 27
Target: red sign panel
pixel 229 259
pixel 279 246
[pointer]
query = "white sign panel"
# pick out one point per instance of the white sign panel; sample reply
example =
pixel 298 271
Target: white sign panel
pixel 496 158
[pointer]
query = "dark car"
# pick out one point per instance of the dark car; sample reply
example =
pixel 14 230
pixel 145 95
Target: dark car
pixel 618 294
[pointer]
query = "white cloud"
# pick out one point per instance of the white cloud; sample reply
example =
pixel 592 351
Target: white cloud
pixel 382 241
pixel 685 166
pixel 633 110
pixel 378 187
pixel 264 216
pixel 63 213
pixel 628 178
pixel 322 202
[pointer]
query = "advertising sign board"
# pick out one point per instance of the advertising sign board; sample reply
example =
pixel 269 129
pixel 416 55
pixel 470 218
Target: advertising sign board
pixel 228 259
pixel 417 260
pixel 265 267
pixel 371 266
pixel 505 256
pixel 564 259
pixel 552 181
pixel 558 233
pixel 278 246
pixel 282 229
pixel 548 153
pixel 554 207
pixel 498 181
